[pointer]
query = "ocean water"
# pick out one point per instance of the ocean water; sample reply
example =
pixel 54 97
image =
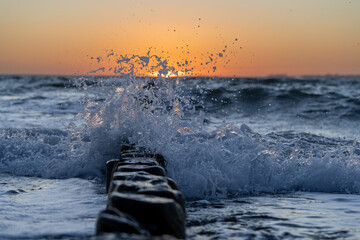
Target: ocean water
pixel 257 158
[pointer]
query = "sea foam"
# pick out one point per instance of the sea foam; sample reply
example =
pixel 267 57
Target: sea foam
pixel 157 113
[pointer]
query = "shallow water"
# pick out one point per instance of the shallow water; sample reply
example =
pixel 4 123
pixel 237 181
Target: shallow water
pixel 287 216
pixel 268 157
pixel 36 208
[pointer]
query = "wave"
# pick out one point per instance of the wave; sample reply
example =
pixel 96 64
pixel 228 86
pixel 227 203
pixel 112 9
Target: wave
pixel 159 114
pixel 47 153
pixel 233 161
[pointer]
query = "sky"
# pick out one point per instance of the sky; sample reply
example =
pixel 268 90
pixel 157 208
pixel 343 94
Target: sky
pixel 216 38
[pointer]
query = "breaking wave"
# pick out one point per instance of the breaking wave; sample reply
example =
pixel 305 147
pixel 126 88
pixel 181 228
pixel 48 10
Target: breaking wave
pixel 171 118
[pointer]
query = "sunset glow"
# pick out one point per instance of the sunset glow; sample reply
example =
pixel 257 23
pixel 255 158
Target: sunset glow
pixel 168 75
pixel 273 37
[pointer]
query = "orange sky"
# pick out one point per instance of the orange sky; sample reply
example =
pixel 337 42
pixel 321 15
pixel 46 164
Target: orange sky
pixel 297 37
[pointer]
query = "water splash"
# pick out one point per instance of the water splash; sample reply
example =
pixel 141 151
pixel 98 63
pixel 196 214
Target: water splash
pixel 161 114
pixel 165 64
pixel 158 113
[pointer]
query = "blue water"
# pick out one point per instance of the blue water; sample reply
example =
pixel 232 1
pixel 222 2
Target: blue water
pixel 257 158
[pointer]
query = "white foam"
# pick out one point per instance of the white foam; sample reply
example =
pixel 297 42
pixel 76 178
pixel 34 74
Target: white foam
pixel 227 161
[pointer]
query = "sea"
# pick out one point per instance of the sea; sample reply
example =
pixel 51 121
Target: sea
pixel 273 157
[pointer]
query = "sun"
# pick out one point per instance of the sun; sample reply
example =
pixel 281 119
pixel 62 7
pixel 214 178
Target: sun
pixel 169 74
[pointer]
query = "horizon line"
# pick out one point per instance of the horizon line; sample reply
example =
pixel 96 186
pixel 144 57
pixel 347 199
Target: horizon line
pixel 189 76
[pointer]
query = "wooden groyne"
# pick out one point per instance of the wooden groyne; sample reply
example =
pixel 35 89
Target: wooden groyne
pixel 143 203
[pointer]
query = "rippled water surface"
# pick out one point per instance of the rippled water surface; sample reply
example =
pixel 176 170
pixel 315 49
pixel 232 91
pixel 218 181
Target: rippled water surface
pixel 266 158
pixel 286 216
pixel 35 208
